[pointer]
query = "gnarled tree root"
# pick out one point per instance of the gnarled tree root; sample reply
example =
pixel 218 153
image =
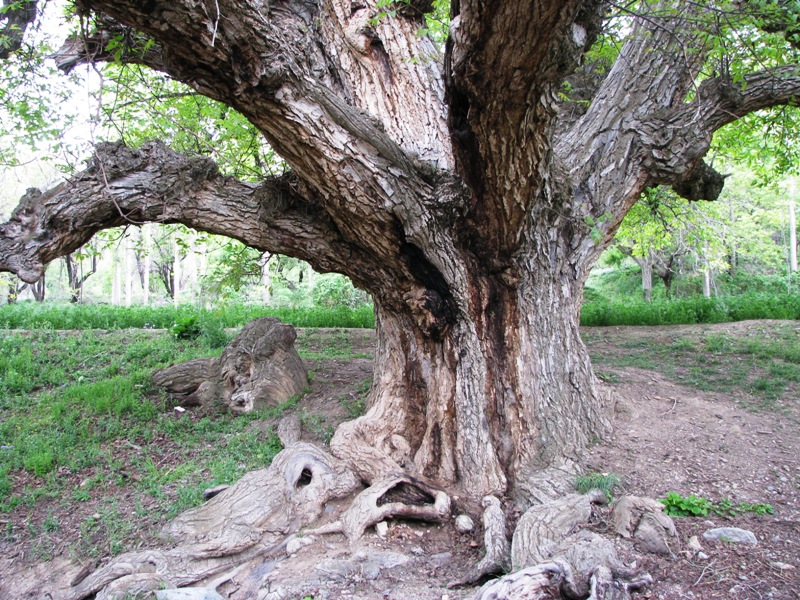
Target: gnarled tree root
pixel 547 580
pixel 495 539
pixel 250 519
pixel 260 368
pixel 396 495
pixel 553 556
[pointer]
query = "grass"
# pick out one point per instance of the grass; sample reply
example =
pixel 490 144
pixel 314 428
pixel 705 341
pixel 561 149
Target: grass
pixel 760 365
pixel 30 315
pixel 607 483
pixel 327 345
pixel 80 423
pixel 84 433
pixel 356 403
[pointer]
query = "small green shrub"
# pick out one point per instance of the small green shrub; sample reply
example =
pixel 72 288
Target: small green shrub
pixel 39 461
pixel 692 505
pixel 213 334
pixel 186 328
pixel 726 508
pixel 696 506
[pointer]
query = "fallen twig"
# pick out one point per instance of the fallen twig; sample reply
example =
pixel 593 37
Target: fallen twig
pixel 708 566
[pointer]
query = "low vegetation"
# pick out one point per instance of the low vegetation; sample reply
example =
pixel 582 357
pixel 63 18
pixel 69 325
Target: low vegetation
pixel 28 315
pixel 690 310
pixel 608 483
pixel 84 435
pixel 85 438
pixel 693 505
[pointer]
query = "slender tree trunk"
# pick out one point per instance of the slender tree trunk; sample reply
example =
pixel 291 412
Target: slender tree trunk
pixel 191 267
pixel 39 289
pixel 176 273
pixel 15 288
pixel 792 237
pixel 707 281
pixel 147 260
pixel 266 278
pixel 129 271
pixel 647 279
pixel 116 283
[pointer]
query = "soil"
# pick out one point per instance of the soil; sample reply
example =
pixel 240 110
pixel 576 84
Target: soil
pixel 666 438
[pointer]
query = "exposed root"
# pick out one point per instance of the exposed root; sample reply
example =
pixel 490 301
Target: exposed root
pixel 543 527
pixel 556 558
pixel 495 539
pixel 363 443
pixel 562 578
pixel 643 520
pixel 394 496
pixel 604 586
pixel 534 583
pixel 250 519
pixel 259 368
pixel 543 485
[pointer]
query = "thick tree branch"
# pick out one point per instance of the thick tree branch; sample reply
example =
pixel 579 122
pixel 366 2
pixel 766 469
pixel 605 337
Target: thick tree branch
pixel 17 16
pixel 129 47
pixel 723 101
pixel 122 186
pixel 719 101
pixel 503 63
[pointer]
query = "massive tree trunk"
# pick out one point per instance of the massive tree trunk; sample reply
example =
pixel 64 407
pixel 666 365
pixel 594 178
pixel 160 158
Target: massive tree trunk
pixel 448 187
pixel 457 199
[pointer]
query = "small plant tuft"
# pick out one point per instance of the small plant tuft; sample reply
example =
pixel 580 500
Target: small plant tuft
pixel 692 505
pixel 605 482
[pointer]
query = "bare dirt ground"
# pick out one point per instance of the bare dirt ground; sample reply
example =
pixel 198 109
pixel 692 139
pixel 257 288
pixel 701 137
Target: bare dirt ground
pixel 667 437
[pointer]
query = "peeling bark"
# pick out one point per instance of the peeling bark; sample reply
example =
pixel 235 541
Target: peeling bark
pixel 396 496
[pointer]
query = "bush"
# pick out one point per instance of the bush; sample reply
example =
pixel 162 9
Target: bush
pixel 333 290
pixel 186 328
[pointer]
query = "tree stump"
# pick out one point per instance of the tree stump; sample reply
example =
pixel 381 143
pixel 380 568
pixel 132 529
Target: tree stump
pixel 260 368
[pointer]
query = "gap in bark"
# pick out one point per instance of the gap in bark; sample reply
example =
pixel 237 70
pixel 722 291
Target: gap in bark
pixel 304 479
pixel 380 56
pixel 435 297
pixel 407 494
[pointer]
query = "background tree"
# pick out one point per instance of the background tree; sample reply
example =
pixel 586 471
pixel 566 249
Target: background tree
pixel 662 230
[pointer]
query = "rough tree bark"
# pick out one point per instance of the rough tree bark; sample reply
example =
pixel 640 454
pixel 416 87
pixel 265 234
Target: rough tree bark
pixel 259 369
pixel 446 186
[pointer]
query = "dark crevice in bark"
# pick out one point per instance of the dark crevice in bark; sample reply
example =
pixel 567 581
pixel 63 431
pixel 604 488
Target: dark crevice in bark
pixel 439 301
pixel 406 493
pixel 465 143
pixel 380 56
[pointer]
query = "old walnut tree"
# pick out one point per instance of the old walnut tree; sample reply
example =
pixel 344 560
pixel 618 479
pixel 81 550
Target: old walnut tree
pixel 458 187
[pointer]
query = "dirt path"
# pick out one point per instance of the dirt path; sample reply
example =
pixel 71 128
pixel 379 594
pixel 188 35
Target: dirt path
pixel 667 437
